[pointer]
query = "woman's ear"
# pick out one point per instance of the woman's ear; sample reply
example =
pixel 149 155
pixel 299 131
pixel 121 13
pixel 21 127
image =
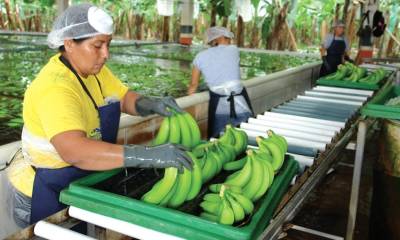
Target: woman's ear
pixel 68 45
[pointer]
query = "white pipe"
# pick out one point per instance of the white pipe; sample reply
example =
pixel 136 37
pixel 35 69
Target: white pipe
pixel 7 151
pixel 303 160
pixel 336 95
pixel 299 128
pixel 128 229
pixel 307 119
pixel 287 133
pixel 291 141
pixel 51 231
pixel 298 123
pixel 352 103
pixel 344 90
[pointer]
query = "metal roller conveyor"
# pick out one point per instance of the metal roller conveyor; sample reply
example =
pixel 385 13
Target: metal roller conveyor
pixel 318 116
pixel 336 95
pixel 335 98
pixel 340 92
pixel 328 133
pixel 306 119
pixel 295 122
pixel 344 90
pixel 355 103
pixel 320 107
pixel 331 105
pixel 334 105
pixel 317 111
pixel 312 146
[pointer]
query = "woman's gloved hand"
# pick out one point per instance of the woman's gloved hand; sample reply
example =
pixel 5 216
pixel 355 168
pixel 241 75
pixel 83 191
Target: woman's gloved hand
pixel 161 156
pixel 151 105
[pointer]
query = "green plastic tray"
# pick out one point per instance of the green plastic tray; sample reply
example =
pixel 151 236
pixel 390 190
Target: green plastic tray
pixel 176 222
pixel 377 108
pixel 348 84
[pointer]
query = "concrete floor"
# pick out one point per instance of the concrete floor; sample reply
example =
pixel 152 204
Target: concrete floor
pixel 326 209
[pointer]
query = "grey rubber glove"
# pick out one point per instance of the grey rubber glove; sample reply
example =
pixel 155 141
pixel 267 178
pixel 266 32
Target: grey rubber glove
pixel 326 64
pixel 161 156
pixel 150 105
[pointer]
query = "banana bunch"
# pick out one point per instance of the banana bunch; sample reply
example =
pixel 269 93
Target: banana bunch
pixel 276 146
pixel 212 156
pixel 175 188
pixel 179 128
pixel 226 205
pixel 236 138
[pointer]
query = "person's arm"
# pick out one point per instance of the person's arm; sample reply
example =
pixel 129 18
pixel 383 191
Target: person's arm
pixel 78 150
pixel 195 80
pixel 128 103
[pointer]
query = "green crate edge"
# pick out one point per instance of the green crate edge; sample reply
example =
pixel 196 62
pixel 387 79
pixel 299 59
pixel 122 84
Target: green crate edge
pixel 144 214
pixel 343 84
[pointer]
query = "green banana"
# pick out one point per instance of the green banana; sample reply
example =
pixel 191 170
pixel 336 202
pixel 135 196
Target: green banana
pixel 194 128
pixel 199 150
pixel 237 209
pixel 279 138
pixel 196 178
pixel 213 154
pixel 271 173
pixel 274 138
pixel 212 197
pixel 276 152
pixel 228 137
pixel 165 200
pixel 256 179
pixel 209 217
pixel 235 165
pixel 174 133
pixel 183 188
pixel 224 157
pixel 233 175
pixel 240 141
pixel 262 147
pixel 185 131
pixel 162 187
pixel 209 169
pixel 226 215
pixel 163 132
pixel 229 151
pixel 244 176
pixel 246 203
pixel 211 207
pixel 264 181
pixel 217 188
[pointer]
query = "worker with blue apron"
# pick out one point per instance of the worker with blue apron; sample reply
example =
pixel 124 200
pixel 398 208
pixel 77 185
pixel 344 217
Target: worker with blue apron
pixel 220 64
pixel 334 50
pixel 71 115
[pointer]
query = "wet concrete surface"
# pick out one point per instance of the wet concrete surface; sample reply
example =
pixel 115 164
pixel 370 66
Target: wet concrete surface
pixel 326 209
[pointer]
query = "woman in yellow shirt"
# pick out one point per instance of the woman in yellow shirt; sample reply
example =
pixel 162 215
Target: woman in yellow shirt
pixel 71 115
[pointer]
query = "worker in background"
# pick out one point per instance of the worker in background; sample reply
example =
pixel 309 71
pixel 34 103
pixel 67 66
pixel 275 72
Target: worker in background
pixel 71 115
pixel 334 50
pixel 229 102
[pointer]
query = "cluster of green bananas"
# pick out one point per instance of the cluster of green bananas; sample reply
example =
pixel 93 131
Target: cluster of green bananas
pixel 179 128
pixel 253 176
pixel 175 188
pixel 226 205
pixel 236 138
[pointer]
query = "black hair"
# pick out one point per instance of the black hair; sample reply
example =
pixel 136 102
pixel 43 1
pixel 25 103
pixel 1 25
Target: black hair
pixel 79 40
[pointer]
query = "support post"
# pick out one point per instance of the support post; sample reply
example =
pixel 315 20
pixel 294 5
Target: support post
pixel 61 6
pixel 186 33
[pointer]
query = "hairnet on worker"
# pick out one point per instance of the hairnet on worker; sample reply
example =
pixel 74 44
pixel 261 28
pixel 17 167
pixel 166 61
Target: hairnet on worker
pixel 80 21
pixel 216 32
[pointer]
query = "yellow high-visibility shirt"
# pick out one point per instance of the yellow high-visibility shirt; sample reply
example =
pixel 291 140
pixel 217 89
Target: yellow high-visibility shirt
pixel 55 102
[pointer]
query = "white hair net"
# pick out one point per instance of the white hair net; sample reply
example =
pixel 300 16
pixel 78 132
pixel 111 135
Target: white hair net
pixel 79 21
pixel 216 32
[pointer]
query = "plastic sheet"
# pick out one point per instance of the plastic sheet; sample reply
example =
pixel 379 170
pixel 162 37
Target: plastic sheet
pixel 165 7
